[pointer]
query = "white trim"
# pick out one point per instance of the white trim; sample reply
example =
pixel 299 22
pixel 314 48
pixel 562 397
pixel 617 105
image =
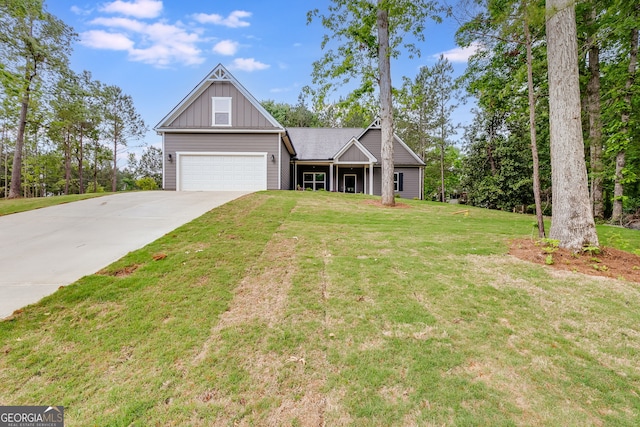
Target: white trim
pixel 164 169
pixel 279 162
pixel 179 154
pixel 314 182
pixel 218 130
pixel 344 182
pixel 371 179
pixel 331 184
pixel 229 103
pixel 359 146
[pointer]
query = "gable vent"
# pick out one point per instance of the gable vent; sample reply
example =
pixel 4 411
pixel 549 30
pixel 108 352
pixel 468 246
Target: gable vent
pixel 220 74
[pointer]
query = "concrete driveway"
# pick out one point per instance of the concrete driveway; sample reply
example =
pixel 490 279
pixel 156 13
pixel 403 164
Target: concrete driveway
pixel 46 248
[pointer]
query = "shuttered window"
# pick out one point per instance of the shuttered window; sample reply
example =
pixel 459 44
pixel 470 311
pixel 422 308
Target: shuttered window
pixel 221 108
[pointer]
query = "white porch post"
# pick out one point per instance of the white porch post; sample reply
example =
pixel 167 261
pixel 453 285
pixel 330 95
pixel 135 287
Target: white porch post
pixel 337 175
pixel 330 176
pixel 371 179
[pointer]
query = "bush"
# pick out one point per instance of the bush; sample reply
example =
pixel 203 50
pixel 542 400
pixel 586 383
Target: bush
pixel 93 188
pixel 147 183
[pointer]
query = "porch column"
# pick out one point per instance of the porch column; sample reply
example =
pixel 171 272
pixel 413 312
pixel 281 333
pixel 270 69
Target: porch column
pixel 330 176
pixel 371 179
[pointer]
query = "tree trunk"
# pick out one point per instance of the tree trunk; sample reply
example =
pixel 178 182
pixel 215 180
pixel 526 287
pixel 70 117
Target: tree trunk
pixel 534 139
pixel 618 190
pixel 16 171
pixel 572 222
pixel 442 189
pixel 386 106
pixel 80 162
pixel 67 162
pixel 114 177
pixel 595 123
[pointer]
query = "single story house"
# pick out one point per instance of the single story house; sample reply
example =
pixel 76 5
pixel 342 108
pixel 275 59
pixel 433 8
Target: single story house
pixel 220 138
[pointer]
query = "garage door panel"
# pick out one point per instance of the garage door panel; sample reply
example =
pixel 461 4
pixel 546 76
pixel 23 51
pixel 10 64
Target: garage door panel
pixel 223 172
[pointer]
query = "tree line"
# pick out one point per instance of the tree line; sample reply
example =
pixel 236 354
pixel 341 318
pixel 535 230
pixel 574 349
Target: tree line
pixel 503 160
pixel 508 78
pixel 62 132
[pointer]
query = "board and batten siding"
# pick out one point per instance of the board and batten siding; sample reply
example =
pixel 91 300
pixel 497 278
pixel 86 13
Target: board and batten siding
pixel 198 114
pixel 353 154
pixel 372 140
pixel 411 182
pixel 225 143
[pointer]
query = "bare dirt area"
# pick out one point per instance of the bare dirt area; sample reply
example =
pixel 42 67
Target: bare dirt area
pixel 378 203
pixel 609 262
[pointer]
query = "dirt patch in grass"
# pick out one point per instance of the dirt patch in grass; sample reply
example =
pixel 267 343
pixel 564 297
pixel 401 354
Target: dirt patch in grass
pixel 261 299
pixel 378 203
pixel 610 262
pixel 121 272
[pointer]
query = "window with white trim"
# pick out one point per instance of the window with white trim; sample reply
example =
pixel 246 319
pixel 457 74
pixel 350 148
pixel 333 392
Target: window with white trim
pixel 221 111
pixel 313 180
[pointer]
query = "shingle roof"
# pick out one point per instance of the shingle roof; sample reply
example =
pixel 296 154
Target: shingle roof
pixel 320 143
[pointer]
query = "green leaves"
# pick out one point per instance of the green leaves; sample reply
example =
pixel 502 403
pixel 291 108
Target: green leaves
pixel 351 42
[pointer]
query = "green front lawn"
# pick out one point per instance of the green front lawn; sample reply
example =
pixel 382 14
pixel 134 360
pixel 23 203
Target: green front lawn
pixel 11 206
pixel 299 308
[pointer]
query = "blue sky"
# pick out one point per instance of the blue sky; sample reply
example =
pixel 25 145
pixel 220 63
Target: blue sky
pixel 158 50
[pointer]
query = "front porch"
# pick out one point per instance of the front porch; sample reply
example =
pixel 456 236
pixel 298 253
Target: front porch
pixel 343 178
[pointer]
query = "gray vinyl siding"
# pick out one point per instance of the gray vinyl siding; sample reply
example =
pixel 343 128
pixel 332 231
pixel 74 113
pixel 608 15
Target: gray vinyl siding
pixel 206 143
pixel 411 182
pixel 372 140
pixel 243 113
pixel 353 154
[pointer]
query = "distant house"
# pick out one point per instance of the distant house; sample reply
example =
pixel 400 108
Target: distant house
pixel 220 138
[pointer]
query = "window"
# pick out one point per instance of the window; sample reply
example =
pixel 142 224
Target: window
pixel 221 111
pixel 315 180
pixel 398 178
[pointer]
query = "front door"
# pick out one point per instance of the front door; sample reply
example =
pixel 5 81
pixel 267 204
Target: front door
pixel 350 183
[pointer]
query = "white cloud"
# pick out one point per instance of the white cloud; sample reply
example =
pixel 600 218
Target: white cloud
pixel 460 54
pixel 99 39
pixel 234 20
pixel 158 44
pixel 168 44
pixel 135 8
pixel 226 47
pixel 247 64
pixel 125 23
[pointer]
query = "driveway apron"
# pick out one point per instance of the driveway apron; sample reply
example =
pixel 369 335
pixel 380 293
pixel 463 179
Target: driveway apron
pixel 47 248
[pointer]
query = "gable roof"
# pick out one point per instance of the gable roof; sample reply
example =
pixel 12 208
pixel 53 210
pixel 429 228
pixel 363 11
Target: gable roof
pixel 218 74
pixel 320 143
pixel 355 144
pixel 376 125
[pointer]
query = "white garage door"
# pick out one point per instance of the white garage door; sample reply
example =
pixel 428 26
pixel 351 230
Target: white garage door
pixel 222 172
